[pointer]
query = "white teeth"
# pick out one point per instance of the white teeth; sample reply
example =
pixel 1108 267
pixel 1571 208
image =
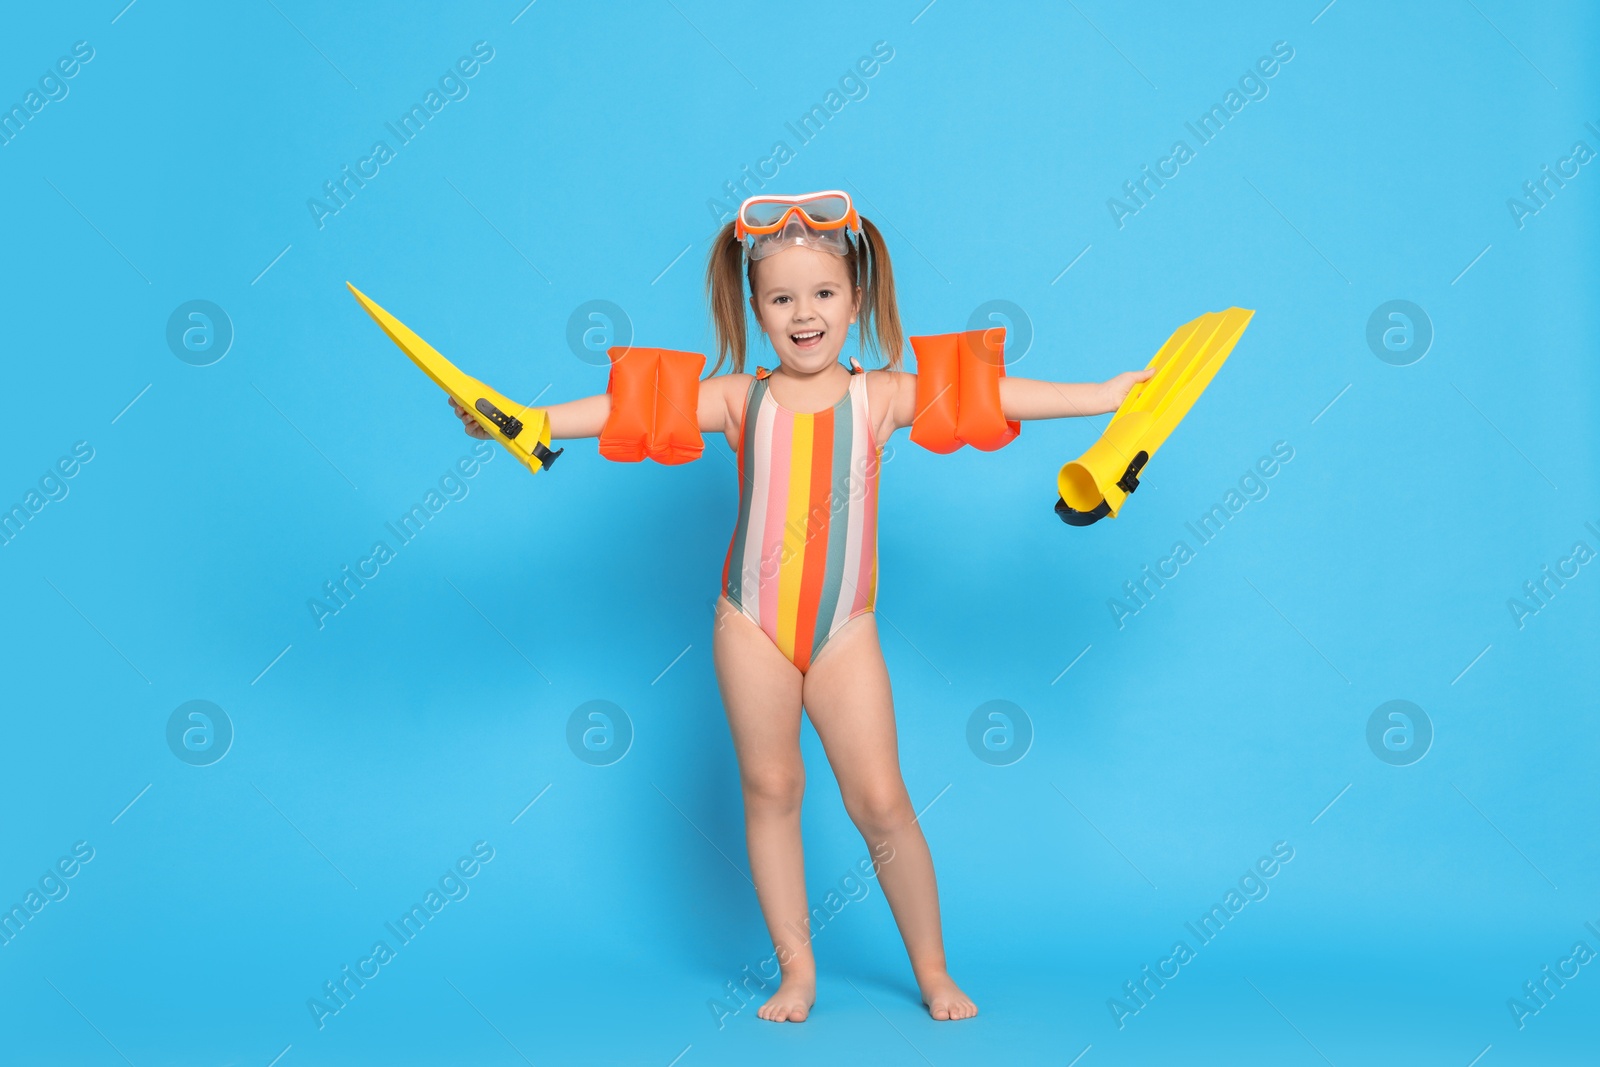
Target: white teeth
pixel 806 336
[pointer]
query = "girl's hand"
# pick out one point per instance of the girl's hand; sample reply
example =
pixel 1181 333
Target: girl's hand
pixel 1115 390
pixel 468 421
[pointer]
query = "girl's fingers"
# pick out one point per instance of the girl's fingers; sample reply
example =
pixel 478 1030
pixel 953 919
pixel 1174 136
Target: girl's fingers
pixel 470 424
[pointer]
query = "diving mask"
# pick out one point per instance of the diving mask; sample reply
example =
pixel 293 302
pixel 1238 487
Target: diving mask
pixel 823 221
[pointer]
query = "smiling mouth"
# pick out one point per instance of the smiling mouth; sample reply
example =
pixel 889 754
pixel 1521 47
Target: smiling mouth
pixel 807 339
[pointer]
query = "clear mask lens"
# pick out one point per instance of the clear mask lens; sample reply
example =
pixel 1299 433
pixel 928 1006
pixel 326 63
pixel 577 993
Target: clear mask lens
pixel 826 208
pixel 765 212
pixel 794 233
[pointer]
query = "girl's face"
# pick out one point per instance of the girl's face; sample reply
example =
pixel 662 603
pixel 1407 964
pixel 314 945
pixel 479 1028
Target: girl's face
pixel 805 304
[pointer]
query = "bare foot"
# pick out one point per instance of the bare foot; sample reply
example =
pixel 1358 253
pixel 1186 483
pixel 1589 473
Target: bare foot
pixel 945 999
pixel 792 1002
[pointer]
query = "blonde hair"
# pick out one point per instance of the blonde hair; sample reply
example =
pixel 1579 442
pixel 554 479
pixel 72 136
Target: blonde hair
pixel 867 264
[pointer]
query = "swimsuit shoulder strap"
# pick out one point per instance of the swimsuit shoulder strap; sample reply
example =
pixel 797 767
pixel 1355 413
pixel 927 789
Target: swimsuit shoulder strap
pixel 752 401
pixel 861 407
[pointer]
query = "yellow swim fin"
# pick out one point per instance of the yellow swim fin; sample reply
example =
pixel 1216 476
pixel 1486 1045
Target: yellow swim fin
pixel 1098 482
pixel 524 431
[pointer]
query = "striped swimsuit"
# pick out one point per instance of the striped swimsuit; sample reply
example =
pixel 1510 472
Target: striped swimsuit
pixel 804 556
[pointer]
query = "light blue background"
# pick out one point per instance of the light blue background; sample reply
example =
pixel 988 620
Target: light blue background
pixel 425 716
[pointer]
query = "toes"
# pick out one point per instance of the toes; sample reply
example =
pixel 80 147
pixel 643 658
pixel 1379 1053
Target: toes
pixel 784 1008
pixel 943 1010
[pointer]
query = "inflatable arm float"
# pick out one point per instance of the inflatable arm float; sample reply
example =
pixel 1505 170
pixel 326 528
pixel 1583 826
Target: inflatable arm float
pixel 958 392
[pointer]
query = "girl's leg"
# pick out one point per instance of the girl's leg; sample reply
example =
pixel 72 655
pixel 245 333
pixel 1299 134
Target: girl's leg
pixel 761 694
pixel 847 695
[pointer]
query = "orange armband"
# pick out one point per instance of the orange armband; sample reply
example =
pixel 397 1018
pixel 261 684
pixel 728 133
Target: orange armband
pixel 655 401
pixel 958 391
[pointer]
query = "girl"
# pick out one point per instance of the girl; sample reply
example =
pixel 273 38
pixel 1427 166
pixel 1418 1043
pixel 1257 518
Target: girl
pixel 794 623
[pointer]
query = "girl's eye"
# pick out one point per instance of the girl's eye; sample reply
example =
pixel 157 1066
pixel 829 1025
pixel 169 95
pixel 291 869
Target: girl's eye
pixel 779 299
pixel 823 294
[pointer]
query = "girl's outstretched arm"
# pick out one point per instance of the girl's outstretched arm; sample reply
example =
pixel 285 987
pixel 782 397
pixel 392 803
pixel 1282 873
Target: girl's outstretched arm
pixel 574 418
pixel 586 416
pixel 1020 398
pixel 1032 398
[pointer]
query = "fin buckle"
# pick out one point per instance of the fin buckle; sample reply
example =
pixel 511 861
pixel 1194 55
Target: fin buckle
pixel 509 425
pixel 1130 478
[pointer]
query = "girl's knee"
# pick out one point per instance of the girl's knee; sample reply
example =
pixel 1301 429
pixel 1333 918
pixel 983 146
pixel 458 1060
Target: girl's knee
pixel 775 790
pixel 879 811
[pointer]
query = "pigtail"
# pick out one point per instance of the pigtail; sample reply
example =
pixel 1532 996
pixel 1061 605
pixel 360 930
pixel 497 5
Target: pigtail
pixel 725 293
pixel 880 314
